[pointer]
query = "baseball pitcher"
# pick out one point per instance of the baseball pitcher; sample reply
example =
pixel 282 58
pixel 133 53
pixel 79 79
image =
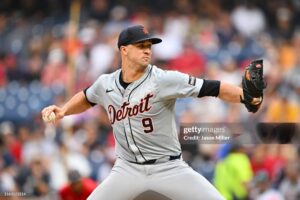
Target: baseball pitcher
pixel 139 99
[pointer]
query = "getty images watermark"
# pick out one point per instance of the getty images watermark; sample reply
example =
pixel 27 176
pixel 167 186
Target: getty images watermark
pixel 205 133
pixel 247 133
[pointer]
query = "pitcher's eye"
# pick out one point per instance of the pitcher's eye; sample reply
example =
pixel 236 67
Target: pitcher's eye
pixel 143 45
pixel 146 46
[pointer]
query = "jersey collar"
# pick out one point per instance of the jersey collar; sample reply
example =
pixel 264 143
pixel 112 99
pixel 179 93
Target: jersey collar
pixel 134 83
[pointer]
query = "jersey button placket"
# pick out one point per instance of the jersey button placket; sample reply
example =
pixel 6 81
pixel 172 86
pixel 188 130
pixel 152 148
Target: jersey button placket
pixel 126 121
pixel 126 93
pixel 128 130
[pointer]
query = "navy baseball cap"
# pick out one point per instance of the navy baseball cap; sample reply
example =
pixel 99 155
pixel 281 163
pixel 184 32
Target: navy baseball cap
pixel 135 34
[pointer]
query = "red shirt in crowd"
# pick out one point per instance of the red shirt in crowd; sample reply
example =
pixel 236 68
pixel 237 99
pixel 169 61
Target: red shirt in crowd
pixel 190 62
pixel 68 193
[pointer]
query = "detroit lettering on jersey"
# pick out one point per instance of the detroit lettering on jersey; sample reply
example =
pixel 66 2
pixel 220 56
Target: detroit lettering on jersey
pixel 130 111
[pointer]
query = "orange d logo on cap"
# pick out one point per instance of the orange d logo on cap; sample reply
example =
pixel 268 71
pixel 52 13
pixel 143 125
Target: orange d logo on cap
pixel 145 30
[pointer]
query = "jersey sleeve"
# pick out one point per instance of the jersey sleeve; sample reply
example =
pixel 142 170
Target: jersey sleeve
pixel 93 93
pixel 174 84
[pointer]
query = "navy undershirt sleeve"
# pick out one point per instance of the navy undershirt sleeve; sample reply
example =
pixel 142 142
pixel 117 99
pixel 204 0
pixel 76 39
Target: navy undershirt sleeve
pixel 210 88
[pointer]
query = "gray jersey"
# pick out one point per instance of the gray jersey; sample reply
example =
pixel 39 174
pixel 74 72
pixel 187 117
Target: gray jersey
pixel 143 114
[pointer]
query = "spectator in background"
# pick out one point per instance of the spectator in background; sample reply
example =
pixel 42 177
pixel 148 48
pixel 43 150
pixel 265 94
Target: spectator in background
pixel 99 10
pixel 203 162
pixel 282 109
pixel 56 69
pixel 248 19
pixel 224 29
pixel 7 68
pixel 284 23
pixel 2 77
pixel 7 182
pixel 284 106
pixel 258 161
pixel 233 174
pixel 101 64
pixel 66 159
pixel 173 32
pixel 34 179
pixel 290 186
pixel 34 68
pixel 11 143
pixel 78 188
pixel 288 53
pixel 189 61
pixel 292 77
pixel 263 190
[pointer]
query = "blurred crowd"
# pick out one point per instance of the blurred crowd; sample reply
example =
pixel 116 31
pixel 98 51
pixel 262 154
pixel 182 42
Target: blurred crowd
pixel 47 53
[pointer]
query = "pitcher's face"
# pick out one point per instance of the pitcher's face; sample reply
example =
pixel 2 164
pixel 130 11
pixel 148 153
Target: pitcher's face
pixel 139 53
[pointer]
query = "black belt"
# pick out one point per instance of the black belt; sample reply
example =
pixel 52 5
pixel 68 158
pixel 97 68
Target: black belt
pixel 152 161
